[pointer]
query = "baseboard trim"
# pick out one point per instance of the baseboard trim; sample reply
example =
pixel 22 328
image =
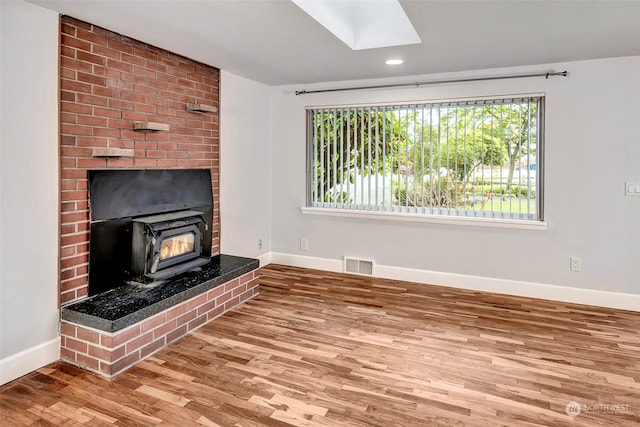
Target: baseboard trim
pixel 26 361
pixel 546 291
pixel 264 259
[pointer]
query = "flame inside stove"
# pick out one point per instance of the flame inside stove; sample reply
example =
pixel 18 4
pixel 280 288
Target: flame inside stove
pixel 177 245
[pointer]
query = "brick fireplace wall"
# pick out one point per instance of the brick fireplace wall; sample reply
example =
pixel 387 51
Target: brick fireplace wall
pixel 108 81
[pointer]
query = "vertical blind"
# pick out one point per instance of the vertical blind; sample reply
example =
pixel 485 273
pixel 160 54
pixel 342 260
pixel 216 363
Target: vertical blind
pixel 476 158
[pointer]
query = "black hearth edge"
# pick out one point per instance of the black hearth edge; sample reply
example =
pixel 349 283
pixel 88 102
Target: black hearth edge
pixel 127 305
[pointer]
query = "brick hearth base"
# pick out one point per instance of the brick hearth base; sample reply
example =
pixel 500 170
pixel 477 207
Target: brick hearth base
pixel 108 354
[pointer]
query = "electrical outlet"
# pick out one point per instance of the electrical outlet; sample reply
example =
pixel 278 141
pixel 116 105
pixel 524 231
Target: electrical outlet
pixel 304 244
pixel 576 264
pixel 632 188
pixel 259 243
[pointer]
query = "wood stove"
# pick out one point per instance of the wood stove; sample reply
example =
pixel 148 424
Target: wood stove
pixel 163 246
pixel 148 226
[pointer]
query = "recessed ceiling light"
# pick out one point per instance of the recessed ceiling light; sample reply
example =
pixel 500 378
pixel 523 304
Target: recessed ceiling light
pixel 393 61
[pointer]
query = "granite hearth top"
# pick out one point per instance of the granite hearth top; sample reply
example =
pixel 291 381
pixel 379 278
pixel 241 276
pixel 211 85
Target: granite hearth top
pixel 129 304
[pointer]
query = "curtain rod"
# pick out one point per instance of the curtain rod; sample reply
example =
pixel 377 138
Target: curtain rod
pixel 437 82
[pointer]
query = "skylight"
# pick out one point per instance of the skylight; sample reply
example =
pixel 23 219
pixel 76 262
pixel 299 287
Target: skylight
pixel 363 24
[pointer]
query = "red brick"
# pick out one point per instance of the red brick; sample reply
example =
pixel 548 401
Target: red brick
pixel 67 40
pixel 203 309
pixel 231 303
pixel 177 155
pixel 120 104
pixel 134 116
pixel 68 163
pixel 198 301
pixel 72 262
pixel 145 163
pixel 87 362
pixel 91 37
pixel 107 354
pixel 193 163
pixel 240 289
pixel 109 133
pixel 67 274
pixel 66 151
pixel 120 337
pixel 246 295
pixel 198 321
pixel 90 57
pixel 119 46
pixel 75 283
pixel 177 311
pixel 91 79
pixel 153 322
pixel 66 297
pixel 76 345
pixel 156 154
pixel 68 29
pixel 146 54
pixel 67 252
pixel 103 51
pixel 178 333
pixel 215 313
pixel 185 318
pixel 89 336
pixel 223 298
pixel 67 329
pixel 73 239
pixel 92 121
pixel 231 285
pixel 164 329
pixel 124 363
pixel 75 86
pixel 164 163
pixel 118 65
pixel 120 163
pixel 107 112
pixel 152 348
pixel 215 293
pixel 136 343
pixel 92 100
pixel 67 355
pixel 73 195
pixel 106 92
pixel 65 95
pixel 92 163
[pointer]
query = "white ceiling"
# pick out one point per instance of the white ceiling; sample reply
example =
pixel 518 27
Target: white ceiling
pixel 275 42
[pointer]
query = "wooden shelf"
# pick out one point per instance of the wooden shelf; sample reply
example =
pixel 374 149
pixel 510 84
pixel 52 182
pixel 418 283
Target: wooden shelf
pixel 112 152
pixel 150 127
pixel 201 108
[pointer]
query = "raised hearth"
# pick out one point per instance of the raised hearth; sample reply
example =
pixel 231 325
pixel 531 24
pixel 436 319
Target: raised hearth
pixel 110 332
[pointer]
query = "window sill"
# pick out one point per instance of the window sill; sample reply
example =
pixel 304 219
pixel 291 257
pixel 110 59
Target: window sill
pixel 434 219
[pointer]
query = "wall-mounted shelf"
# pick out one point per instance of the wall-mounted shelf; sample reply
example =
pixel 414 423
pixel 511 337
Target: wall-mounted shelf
pixel 201 108
pixel 112 152
pixel 150 127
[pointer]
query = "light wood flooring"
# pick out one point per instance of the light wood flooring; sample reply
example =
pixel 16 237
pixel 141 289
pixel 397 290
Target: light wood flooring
pixel 324 349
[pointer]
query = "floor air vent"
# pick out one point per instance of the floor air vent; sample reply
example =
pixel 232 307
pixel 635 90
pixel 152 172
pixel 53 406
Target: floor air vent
pixel 358 266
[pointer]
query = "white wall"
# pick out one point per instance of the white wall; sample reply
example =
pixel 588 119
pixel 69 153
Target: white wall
pixel 245 166
pixel 29 188
pixel 592 146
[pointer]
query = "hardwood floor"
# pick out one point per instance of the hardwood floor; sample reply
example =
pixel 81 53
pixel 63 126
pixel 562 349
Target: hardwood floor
pixel 321 349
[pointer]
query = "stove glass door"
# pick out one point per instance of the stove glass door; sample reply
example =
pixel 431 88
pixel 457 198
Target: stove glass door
pixel 177 245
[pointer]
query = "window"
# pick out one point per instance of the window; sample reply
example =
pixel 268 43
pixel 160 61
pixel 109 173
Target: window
pixel 471 158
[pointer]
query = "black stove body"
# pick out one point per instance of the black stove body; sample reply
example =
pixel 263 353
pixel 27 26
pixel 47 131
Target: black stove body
pixel 148 225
